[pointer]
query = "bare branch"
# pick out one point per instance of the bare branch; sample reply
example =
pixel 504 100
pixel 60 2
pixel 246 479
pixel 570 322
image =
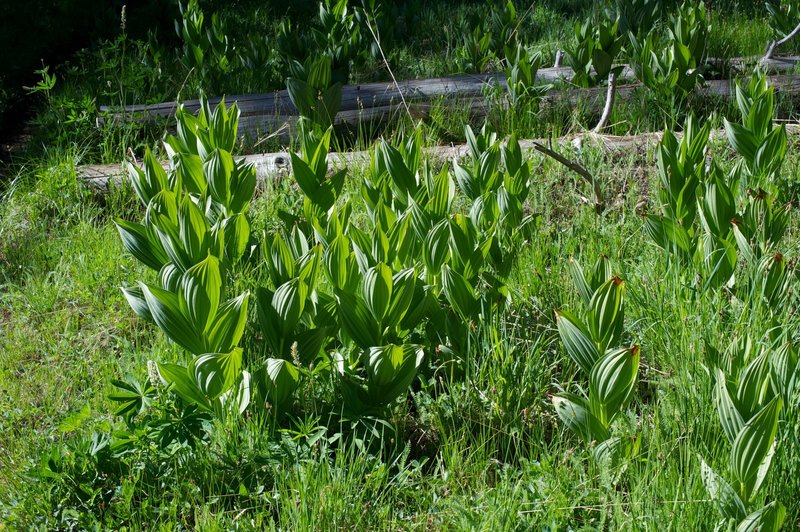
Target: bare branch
pixel 599 201
pixel 775 44
pixel 612 90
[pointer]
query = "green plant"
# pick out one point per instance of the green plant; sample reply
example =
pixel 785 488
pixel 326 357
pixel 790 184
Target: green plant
pixel 591 343
pixel 748 406
pixel 672 70
pixel 206 48
pixel 522 91
pixel 475 51
pixel 195 230
pixel 593 53
pixel 314 93
pixel 760 144
pixel 784 16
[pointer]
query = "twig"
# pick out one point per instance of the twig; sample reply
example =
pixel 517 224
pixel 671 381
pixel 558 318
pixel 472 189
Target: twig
pixel 386 63
pixel 612 90
pixel 775 44
pixel 599 202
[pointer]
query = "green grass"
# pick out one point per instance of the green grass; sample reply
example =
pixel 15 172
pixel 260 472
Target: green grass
pixel 484 453
pixel 484 450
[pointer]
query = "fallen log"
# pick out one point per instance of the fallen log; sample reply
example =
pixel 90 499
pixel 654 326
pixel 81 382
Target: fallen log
pixel 381 94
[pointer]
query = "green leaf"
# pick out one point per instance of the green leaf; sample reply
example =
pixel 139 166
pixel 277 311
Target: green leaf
pixel 166 312
pixel 136 300
pixel 611 382
pixel 189 168
pixel 218 169
pixel 742 140
pixel 581 349
pixel 337 262
pixel 193 230
pixel 237 236
pixel 724 497
pixel 377 290
pixel 184 385
pixel 437 247
pixel 279 379
pixel 391 369
pixel 579 280
pixel 607 313
pixel 752 449
pixel 227 329
pixel 132 397
pixel 357 322
pixel 201 286
pixel 575 414
pixel 729 415
pixel 767 519
pixel 215 373
pixel 289 301
pixel 138 242
pixel 459 293
pixel 754 386
pixel 404 284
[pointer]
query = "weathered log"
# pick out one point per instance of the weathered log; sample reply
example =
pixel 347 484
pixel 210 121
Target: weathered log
pixel 375 95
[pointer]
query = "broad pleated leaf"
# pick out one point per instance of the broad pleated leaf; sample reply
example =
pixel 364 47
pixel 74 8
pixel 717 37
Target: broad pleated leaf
pixel 575 414
pixel 767 519
pixel 227 329
pixel 215 373
pixel 459 293
pixel 611 382
pixel 137 241
pixel 729 415
pixel 183 384
pixel 166 312
pixel 579 345
pixel 723 495
pixel 752 447
pixel 377 289
pixel 136 300
pixel 201 286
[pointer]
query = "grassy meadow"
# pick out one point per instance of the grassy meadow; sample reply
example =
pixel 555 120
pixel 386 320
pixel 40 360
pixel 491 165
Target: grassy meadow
pixel 414 352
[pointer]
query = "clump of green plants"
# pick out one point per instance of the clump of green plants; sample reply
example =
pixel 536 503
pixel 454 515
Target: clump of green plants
pixel 593 342
pixel 672 69
pixel 748 401
pixel 594 52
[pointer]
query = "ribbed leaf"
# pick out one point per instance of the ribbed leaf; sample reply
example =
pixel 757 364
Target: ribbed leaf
pixel 279 379
pixel 137 241
pixel 289 301
pixel 377 289
pixel 607 313
pixel 752 448
pixel 577 341
pixel 723 495
pixel 166 312
pixel 194 230
pixel 357 322
pixel 136 300
pixel 575 414
pixel 183 384
pixel 611 382
pixel 391 370
pixel 729 415
pixel 404 284
pixel 767 519
pixel 201 286
pixel 227 329
pixel 215 373
pixel 459 293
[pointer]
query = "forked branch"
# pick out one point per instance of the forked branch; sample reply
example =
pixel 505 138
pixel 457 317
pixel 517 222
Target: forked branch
pixel 599 201
pixel 775 44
